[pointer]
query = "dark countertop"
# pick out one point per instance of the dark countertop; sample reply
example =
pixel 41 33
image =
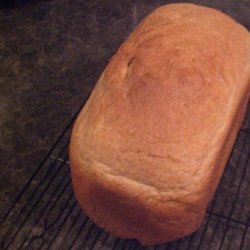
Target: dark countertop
pixel 51 54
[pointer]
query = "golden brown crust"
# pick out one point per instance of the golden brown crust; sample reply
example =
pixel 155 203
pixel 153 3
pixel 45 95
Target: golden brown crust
pixel 149 147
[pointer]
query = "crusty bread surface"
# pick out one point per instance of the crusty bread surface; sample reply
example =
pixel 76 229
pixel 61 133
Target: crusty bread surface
pixel 149 147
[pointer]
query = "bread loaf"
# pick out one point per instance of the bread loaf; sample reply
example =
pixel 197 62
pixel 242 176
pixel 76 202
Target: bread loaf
pixel 149 147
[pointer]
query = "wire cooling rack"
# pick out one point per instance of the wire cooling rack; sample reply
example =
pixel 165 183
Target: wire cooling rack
pixel 45 214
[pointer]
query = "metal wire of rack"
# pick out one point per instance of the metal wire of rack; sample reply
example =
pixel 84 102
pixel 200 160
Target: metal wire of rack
pixel 45 214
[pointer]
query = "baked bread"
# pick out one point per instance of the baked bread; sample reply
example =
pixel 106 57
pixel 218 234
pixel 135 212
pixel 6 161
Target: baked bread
pixel 149 147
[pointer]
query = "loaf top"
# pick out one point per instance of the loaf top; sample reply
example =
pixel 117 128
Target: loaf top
pixel 159 116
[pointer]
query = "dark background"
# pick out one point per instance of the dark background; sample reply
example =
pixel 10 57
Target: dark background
pixel 51 54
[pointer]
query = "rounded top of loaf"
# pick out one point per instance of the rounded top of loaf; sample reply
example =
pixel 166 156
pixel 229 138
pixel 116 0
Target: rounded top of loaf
pixel 163 106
